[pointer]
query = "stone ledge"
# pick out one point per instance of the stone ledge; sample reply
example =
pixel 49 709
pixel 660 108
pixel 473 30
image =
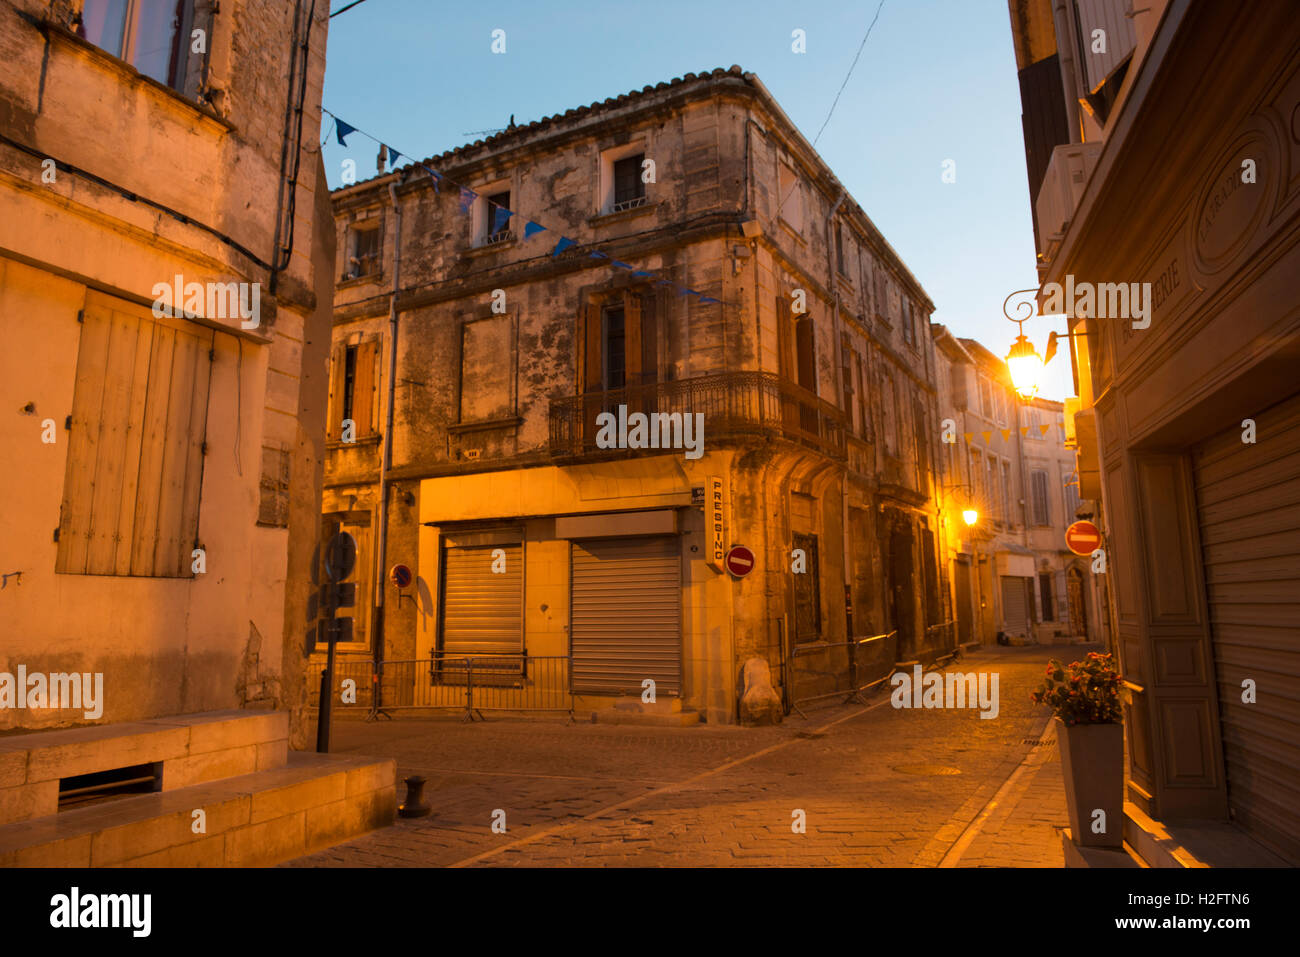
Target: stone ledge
pixel 315 801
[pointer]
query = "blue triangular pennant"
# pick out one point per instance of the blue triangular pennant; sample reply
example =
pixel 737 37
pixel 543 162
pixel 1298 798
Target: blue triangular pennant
pixel 642 272
pixel 597 254
pixel 343 130
pixel 705 300
pixel 467 197
pixel 564 243
pixel 615 262
pixel 393 156
pixel 532 229
pixel 500 216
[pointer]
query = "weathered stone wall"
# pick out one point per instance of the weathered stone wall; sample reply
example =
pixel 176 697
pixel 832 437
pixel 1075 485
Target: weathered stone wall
pixel 150 183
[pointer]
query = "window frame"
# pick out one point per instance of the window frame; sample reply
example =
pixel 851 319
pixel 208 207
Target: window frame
pixel 606 202
pixel 132 19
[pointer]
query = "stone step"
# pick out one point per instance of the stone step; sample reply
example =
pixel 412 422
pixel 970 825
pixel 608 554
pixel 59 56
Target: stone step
pixel 191 748
pixel 1193 844
pixel 669 719
pixel 253 820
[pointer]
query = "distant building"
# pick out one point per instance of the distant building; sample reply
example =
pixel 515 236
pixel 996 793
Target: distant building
pixel 1177 174
pixel 1013 577
pixel 819 428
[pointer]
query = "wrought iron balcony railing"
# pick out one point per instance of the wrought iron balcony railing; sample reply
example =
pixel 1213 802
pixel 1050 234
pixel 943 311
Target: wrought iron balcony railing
pixel 734 404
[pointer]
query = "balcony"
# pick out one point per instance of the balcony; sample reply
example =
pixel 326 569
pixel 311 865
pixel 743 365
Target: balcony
pixel 735 405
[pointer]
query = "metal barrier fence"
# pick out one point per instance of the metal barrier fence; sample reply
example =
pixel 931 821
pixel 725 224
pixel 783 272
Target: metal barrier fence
pixel 471 684
pixel 843 669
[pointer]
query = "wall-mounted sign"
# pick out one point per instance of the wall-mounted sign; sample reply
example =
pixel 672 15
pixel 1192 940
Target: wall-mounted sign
pixel 715 521
pixel 1083 538
pixel 400 576
pixel 697 495
pixel 740 561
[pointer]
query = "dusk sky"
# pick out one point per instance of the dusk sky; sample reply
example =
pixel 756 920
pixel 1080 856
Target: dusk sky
pixel 935 81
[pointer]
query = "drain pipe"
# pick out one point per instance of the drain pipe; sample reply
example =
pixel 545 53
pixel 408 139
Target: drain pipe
pixel 386 461
pixel 839 377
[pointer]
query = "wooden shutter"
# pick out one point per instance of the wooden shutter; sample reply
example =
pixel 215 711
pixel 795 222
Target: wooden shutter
pixel 338 372
pixel 784 347
pixel 365 387
pixel 135 458
pixel 632 338
pixel 589 323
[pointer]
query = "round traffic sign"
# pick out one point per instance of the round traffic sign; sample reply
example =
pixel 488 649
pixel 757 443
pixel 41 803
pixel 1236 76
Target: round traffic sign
pixel 1083 538
pixel 340 556
pixel 400 575
pixel 739 561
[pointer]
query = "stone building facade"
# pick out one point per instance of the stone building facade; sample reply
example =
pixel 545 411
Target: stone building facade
pixel 163 467
pixel 1013 578
pixel 802 343
pixel 1187 411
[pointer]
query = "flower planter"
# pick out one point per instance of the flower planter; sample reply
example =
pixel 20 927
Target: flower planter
pixel 1092 759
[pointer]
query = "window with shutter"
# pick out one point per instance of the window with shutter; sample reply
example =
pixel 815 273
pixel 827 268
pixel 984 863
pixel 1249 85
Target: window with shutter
pixel 1042 509
pixel 135 456
pixel 629 190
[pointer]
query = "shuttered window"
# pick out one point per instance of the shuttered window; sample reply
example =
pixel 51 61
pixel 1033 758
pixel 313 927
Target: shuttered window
pixel 135 450
pixel 1042 506
pixel 482 608
pixel 354 387
pixel 626 615
pixel 1248 498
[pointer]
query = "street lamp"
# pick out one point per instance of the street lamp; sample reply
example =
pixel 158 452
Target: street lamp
pixel 969 513
pixel 1023 361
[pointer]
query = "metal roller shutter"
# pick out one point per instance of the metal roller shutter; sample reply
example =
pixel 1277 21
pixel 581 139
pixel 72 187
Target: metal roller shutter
pixel 482 611
pixel 1248 499
pixel 1015 605
pixel 626 615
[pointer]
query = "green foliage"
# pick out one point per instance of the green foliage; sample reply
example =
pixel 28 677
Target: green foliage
pixel 1087 692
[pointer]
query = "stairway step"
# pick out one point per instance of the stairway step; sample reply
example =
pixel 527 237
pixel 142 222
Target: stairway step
pixel 256 819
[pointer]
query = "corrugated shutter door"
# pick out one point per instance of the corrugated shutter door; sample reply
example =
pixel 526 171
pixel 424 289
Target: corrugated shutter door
pixel 1015 608
pixel 1248 498
pixel 482 610
pixel 626 615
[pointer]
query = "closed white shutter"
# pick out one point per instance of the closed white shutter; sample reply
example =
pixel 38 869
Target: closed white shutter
pixel 626 615
pixel 1015 605
pixel 482 610
pixel 1248 500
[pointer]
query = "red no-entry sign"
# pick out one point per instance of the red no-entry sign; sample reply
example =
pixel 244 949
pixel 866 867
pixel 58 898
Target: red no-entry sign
pixel 740 561
pixel 1083 538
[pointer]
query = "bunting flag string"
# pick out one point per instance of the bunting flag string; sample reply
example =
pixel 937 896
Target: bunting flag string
pixel 499 216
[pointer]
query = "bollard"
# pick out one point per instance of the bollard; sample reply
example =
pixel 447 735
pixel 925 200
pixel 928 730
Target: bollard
pixel 414 806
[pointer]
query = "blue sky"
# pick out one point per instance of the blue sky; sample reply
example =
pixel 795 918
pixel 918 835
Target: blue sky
pixel 936 81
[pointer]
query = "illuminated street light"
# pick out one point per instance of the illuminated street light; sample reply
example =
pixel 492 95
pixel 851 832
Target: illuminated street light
pixel 970 516
pixel 1026 367
pixel 1023 361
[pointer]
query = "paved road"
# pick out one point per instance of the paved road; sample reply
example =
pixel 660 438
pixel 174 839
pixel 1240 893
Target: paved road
pixel 873 785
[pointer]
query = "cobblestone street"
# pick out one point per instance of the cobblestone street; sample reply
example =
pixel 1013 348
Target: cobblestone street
pixel 877 786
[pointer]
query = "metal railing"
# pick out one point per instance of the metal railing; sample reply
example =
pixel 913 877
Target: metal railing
pixel 471 684
pixel 733 403
pixel 844 669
